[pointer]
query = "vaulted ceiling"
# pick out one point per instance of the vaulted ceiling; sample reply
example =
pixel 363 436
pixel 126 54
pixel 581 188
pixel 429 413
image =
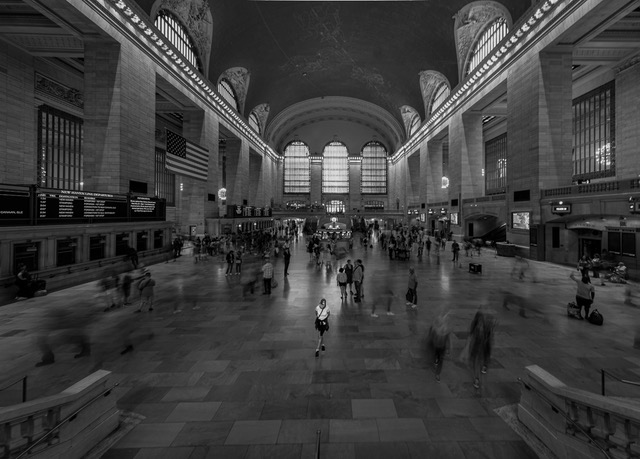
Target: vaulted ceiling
pixel 370 51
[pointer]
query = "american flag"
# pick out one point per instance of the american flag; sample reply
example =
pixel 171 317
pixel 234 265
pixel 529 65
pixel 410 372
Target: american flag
pixel 186 158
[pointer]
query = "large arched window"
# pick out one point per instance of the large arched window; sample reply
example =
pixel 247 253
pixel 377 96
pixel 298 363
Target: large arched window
pixel 177 35
pixel 297 168
pixel 440 96
pixel 415 125
pixel 373 179
pixel 254 122
pixel 492 35
pixel 226 91
pixel 335 168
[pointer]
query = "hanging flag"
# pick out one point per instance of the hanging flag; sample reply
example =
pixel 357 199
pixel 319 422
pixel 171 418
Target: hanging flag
pixel 186 158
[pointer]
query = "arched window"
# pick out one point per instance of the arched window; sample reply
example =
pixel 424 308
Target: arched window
pixel 254 122
pixel 335 168
pixel 373 179
pixel 226 91
pixel 415 125
pixel 297 168
pixel 492 35
pixel 177 35
pixel 439 97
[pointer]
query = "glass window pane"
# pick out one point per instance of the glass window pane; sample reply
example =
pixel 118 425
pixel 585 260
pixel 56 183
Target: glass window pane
pixel 487 41
pixel 335 168
pixel 177 35
pixel 373 169
pixel 297 168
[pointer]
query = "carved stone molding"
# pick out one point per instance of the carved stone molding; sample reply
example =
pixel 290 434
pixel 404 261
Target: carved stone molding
pixel 195 15
pixel 52 89
pixel 430 80
pixel 262 112
pixel 470 22
pixel 239 78
pixel 632 62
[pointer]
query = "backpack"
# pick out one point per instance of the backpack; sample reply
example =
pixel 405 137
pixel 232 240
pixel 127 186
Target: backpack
pixel 595 318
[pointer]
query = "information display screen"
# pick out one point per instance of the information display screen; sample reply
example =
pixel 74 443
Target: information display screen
pixel 147 209
pixel 15 206
pixel 60 207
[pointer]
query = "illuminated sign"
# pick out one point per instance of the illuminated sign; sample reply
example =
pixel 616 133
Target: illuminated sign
pixel 561 209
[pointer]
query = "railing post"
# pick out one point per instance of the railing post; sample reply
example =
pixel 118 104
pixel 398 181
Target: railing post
pixel 24 389
pixel 602 380
pixel 318 444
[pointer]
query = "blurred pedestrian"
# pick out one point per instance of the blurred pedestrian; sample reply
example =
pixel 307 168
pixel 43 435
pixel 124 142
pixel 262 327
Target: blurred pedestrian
pixel 412 292
pixel 439 341
pixel 145 287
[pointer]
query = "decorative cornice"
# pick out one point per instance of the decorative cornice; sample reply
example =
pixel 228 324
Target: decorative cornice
pixel 635 60
pixel 128 14
pixel 64 94
pixel 501 54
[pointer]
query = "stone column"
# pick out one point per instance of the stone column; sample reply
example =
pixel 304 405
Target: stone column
pixel 316 181
pixel 435 193
pixel 539 127
pixel 466 156
pixel 119 129
pixel 355 196
pixel 237 170
pixel 256 191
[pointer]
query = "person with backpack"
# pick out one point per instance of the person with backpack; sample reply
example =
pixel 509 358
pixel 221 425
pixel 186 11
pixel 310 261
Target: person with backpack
pixel 585 293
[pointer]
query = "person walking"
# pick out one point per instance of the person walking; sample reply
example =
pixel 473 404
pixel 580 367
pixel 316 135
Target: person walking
pixel 286 254
pixel 479 344
pixel 585 293
pixel 439 340
pixel 455 248
pixel 238 262
pixel 126 288
pixel 341 279
pixel 145 287
pixel 230 261
pixel 412 291
pixel 267 276
pixel 428 244
pixel 348 270
pixel 358 277
pixel 322 324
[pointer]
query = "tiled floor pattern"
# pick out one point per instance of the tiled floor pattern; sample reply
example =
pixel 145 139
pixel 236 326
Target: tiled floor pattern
pixel 235 377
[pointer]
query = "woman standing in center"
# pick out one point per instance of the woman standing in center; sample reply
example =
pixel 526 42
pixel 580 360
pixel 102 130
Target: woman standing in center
pixel 322 323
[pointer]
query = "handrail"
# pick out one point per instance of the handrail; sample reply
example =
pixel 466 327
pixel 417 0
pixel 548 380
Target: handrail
pixel 318 444
pixel 556 409
pixel 604 372
pixel 24 386
pixel 69 418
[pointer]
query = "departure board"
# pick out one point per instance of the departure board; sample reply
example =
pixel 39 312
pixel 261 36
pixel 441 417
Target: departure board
pixel 60 207
pixel 147 209
pixel 15 205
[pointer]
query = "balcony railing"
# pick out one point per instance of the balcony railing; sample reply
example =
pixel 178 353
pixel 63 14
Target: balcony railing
pixel 632 185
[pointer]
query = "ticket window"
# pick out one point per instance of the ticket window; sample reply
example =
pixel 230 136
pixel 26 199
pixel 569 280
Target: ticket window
pixel 122 244
pixel 141 241
pixel 27 254
pixel 158 239
pixel 66 252
pixel 97 247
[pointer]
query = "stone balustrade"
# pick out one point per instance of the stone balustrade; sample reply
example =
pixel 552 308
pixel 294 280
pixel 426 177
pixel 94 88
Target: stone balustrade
pixel 575 423
pixel 88 403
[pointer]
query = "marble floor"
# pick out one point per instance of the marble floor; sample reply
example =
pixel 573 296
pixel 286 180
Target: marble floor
pixel 218 372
